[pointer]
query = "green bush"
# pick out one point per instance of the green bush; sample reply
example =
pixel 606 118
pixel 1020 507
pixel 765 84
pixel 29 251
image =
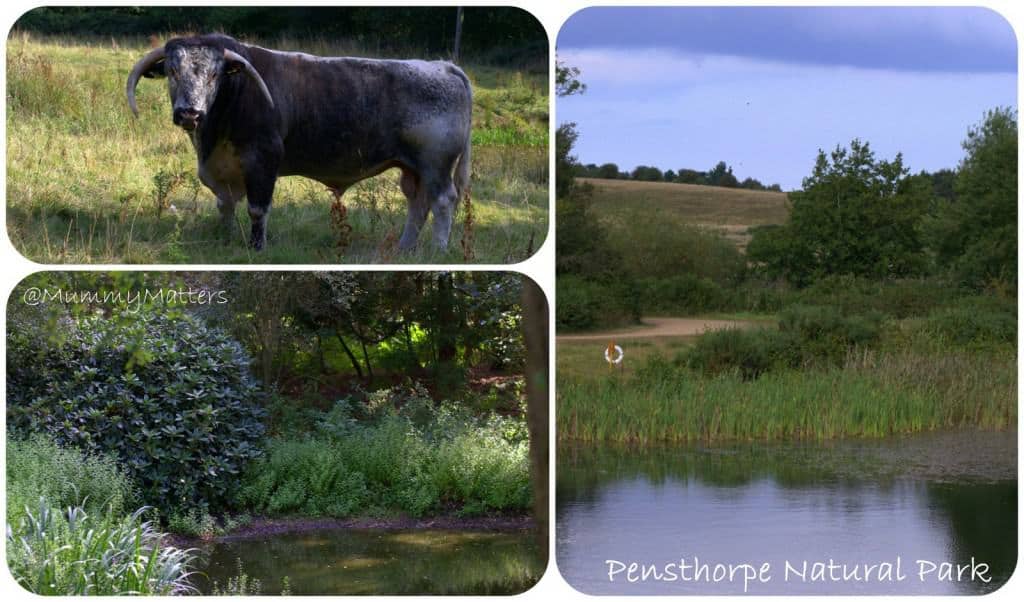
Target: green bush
pixel 748 352
pixel 895 298
pixel 584 304
pixel 807 335
pixel 399 454
pixel 688 293
pixel 974 321
pixel 306 477
pixel 39 468
pixel 826 333
pixel 170 398
pixel 72 552
pixel 668 247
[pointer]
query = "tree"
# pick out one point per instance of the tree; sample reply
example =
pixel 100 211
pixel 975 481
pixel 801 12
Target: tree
pixel 608 171
pixel 647 173
pixel 670 176
pixel 535 333
pixel 567 80
pixel 855 215
pixel 567 83
pixel 975 232
pixel 458 34
pixel 691 176
pixel 721 175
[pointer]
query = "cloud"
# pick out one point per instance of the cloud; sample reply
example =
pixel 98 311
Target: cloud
pixel 934 39
pixel 677 109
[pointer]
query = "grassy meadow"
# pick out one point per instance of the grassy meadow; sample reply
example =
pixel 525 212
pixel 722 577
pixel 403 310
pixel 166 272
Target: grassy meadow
pixel 729 211
pixel 843 357
pixel 88 183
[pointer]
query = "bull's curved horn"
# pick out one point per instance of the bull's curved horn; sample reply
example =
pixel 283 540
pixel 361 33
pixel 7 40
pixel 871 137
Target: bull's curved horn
pixel 141 67
pixel 251 72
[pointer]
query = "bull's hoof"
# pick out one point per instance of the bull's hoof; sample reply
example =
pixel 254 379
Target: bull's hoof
pixel 258 240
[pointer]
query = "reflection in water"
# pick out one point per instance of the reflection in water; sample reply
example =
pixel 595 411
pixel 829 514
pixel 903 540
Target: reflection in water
pixel 376 561
pixel 937 498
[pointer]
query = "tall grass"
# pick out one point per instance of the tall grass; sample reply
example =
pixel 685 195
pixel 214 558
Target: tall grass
pixel 84 176
pixel 71 552
pixel 874 394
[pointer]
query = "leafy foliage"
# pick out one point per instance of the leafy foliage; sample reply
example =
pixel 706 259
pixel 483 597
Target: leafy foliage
pixel 71 552
pixel 974 233
pixel 855 215
pixel 172 399
pixel 974 321
pixel 807 336
pixel 39 468
pixel 397 453
pixel 747 352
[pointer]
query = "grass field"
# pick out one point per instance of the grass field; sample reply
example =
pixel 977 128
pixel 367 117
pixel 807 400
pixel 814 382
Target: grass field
pixel 730 211
pixel 88 183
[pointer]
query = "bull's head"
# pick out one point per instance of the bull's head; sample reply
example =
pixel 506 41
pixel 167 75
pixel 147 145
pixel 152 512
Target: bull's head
pixel 194 74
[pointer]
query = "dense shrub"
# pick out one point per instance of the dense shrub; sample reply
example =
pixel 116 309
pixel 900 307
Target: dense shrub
pixel 826 333
pixel 895 298
pixel 807 335
pixel 69 551
pixel 170 398
pixel 306 477
pixel 39 468
pixel 974 321
pixel 682 293
pixel 748 352
pixel 397 454
pixel 660 247
pixel 584 304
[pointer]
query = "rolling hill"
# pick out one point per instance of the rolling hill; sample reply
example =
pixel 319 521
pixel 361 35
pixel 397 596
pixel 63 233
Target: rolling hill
pixel 731 211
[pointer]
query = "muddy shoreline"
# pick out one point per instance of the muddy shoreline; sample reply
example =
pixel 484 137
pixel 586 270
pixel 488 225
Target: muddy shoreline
pixel 262 527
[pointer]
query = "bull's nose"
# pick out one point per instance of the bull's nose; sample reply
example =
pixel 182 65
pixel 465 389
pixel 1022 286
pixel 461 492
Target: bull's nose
pixel 187 118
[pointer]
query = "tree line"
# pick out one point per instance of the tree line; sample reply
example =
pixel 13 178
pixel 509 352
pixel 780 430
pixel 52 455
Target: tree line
pixel 719 175
pixel 431 31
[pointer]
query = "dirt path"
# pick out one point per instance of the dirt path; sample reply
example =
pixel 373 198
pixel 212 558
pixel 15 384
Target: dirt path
pixel 659 327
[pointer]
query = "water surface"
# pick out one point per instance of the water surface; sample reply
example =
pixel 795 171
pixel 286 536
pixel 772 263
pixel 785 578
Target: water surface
pixel 937 498
pixel 379 561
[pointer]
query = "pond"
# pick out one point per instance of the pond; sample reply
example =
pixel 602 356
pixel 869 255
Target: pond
pixel 929 514
pixel 378 561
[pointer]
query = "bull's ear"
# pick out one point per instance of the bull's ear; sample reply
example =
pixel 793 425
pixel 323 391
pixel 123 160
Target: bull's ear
pixel 156 70
pixel 232 67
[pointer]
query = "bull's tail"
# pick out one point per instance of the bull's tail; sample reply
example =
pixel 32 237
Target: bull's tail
pixel 462 169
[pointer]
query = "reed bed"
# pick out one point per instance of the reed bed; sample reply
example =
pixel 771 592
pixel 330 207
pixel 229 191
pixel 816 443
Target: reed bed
pixel 873 394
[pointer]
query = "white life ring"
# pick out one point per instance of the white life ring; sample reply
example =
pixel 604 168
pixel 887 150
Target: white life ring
pixel 618 355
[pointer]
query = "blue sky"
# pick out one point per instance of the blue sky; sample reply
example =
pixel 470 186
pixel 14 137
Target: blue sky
pixel 764 88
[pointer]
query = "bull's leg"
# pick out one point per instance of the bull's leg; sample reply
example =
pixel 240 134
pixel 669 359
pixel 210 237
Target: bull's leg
pixel 442 203
pixel 415 192
pixel 259 190
pixel 226 206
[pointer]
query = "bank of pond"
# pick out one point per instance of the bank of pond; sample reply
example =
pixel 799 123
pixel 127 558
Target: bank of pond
pixel 426 499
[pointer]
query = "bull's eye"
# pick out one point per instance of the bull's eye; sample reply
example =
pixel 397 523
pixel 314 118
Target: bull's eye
pixel 174 73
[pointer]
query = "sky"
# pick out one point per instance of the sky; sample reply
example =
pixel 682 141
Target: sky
pixel 765 88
